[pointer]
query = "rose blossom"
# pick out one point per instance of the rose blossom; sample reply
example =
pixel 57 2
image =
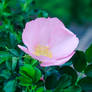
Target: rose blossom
pixel 49 41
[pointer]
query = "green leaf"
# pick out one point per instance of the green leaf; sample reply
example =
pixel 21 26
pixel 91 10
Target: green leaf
pixel 13 52
pixel 5 74
pixel 14 63
pixel 65 81
pixel 10 86
pixel 79 61
pixel 9 65
pixel 68 63
pixel 30 74
pixel 51 80
pixel 3 43
pixel 88 70
pixel 69 71
pixel 41 89
pixel 86 83
pixel 73 89
pixel 37 75
pixel 12 39
pixel 89 54
pixel 25 80
pixel 4 56
pixel 29 60
pixel 28 70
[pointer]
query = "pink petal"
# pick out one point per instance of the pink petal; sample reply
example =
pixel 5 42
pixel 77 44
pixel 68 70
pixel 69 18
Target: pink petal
pixel 57 62
pixel 55 21
pixel 39 31
pixel 36 32
pixel 29 35
pixel 23 49
pixel 40 58
pixel 65 47
pixel 62 41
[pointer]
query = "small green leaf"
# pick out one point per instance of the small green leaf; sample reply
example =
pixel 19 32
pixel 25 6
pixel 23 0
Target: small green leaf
pixel 10 86
pixel 29 60
pixel 69 71
pixel 4 56
pixel 79 61
pixel 37 75
pixel 68 63
pixel 14 63
pixel 13 41
pixel 65 81
pixel 9 65
pixel 89 54
pixel 28 70
pixel 86 83
pixel 5 74
pixel 88 70
pixel 25 80
pixel 30 74
pixel 41 89
pixel 73 89
pixel 13 52
pixel 51 80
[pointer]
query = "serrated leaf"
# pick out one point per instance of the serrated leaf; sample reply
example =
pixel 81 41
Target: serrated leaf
pixel 25 81
pixel 28 70
pixel 30 74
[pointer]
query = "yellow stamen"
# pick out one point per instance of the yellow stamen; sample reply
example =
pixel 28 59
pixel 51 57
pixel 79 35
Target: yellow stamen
pixel 42 51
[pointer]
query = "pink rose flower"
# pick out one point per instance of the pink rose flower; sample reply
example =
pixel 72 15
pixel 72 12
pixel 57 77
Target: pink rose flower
pixel 49 41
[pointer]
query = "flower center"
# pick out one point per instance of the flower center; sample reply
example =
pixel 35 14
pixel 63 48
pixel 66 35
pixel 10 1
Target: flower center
pixel 42 51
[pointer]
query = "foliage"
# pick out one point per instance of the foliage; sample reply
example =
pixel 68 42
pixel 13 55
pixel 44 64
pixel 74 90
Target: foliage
pixel 19 72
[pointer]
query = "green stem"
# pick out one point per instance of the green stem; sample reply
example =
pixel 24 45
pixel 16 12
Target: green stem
pixel 79 77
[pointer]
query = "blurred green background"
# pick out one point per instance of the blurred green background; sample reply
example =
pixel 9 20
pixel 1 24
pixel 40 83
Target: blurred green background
pixel 76 15
pixel 68 10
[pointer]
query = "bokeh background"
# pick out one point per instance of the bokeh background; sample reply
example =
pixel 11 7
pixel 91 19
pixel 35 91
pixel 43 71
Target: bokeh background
pixel 76 15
